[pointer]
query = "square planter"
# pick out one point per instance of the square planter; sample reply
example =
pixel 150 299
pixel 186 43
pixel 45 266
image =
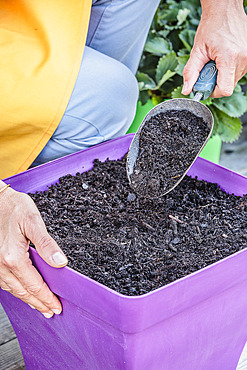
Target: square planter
pixel 197 322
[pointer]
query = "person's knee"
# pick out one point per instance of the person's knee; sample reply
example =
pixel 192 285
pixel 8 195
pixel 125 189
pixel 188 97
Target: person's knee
pixel 104 100
pixel 120 97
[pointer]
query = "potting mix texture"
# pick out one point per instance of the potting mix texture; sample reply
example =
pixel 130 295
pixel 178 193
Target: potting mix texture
pixel 135 245
pixel 169 143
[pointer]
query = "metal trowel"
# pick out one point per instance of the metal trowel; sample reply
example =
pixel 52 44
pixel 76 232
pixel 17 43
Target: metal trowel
pixel 202 90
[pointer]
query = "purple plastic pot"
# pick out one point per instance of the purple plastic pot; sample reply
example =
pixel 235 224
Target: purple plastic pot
pixel 197 322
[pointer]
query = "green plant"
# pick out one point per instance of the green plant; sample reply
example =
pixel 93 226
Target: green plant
pixel 166 52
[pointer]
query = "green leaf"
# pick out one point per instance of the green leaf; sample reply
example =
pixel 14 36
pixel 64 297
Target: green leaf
pixel 193 6
pixel 168 15
pixel 157 46
pixel 171 84
pixel 207 101
pixel 166 68
pixel 243 80
pixel 156 99
pixel 228 128
pixel 183 51
pixel 148 64
pixel 182 60
pixel 182 15
pixel 216 120
pixel 234 105
pixel 237 88
pixel 163 33
pixel 165 77
pixel 187 38
pixel 144 97
pixel 177 93
pixel 145 81
pixel 175 40
pixel 195 22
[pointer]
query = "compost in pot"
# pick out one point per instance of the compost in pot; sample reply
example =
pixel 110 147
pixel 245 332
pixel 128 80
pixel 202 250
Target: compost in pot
pixel 135 245
pixel 169 143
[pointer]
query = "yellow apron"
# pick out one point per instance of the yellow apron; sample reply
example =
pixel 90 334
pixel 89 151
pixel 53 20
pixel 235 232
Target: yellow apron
pixel 41 47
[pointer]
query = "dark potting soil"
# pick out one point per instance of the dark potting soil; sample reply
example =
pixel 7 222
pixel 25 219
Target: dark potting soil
pixel 133 244
pixel 169 143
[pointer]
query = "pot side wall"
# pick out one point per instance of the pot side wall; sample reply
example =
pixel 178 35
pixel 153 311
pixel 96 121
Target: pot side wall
pixel 198 322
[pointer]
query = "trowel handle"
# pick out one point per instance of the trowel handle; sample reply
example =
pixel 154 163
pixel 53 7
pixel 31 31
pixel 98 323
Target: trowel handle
pixel 206 81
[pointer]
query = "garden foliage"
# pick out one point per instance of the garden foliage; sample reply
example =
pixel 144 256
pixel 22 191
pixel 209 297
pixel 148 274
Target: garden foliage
pixel 166 52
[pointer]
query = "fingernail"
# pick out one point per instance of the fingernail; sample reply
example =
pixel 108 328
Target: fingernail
pixel 185 86
pixel 31 306
pixel 48 315
pixel 56 311
pixel 59 259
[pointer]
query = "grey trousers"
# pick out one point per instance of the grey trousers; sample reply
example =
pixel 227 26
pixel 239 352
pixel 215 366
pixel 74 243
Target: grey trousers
pixel 103 102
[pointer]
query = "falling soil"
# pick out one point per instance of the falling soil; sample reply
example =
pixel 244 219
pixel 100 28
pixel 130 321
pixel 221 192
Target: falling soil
pixel 135 245
pixel 169 143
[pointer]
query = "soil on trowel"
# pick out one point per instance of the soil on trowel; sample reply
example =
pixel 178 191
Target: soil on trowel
pixel 169 143
pixel 133 244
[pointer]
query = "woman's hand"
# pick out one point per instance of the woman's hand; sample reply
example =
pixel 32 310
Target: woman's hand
pixel 20 222
pixel 221 36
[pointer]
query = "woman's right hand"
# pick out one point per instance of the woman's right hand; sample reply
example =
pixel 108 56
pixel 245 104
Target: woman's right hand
pixel 221 36
pixel 20 223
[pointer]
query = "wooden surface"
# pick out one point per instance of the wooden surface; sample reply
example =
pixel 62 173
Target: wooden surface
pixel 10 353
pixel 234 157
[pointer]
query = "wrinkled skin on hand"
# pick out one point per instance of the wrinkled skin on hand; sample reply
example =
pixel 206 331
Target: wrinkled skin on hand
pixel 20 222
pixel 221 36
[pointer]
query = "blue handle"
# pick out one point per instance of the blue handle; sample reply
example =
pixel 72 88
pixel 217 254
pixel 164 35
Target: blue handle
pixel 207 80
